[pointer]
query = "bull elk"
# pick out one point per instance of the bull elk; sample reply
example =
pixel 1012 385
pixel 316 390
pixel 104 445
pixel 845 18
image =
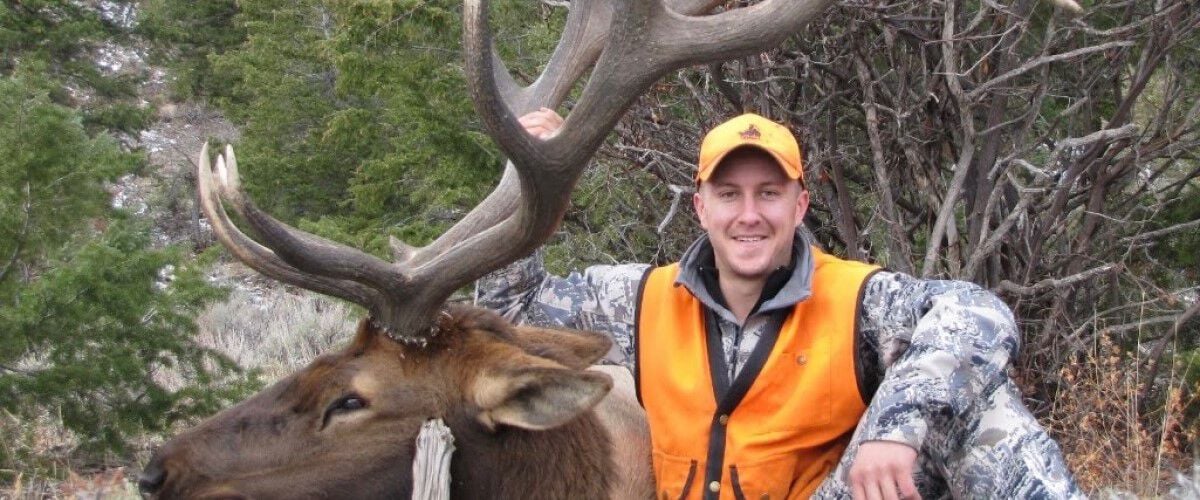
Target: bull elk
pixel 528 416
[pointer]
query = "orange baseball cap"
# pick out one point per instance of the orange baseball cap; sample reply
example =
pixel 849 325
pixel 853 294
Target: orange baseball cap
pixel 750 130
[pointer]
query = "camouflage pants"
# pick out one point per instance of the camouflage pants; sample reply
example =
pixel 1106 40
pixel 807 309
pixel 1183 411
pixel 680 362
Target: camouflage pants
pixel 996 450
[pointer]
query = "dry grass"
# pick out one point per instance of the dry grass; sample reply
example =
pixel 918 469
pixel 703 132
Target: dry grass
pixel 273 328
pixel 1110 448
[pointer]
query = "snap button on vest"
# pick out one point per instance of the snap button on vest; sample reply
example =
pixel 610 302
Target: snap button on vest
pixel 714 486
pixel 801 359
pixel 723 419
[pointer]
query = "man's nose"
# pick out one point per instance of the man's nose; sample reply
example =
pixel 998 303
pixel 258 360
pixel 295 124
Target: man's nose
pixel 749 210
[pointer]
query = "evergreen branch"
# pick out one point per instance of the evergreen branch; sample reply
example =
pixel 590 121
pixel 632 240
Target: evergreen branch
pixel 12 259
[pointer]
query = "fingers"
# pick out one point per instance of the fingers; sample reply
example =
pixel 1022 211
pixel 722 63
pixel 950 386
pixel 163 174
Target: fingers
pixel 876 491
pixel 883 486
pixel 868 485
pixel 542 124
pixel 857 491
pixel 887 489
pixel 908 487
pixel 883 470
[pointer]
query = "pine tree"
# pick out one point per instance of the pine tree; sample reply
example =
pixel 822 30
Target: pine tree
pixel 94 322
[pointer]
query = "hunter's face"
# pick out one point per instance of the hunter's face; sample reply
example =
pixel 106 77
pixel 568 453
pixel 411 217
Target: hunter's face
pixel 750 210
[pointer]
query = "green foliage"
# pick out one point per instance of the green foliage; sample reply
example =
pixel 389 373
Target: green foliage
pixel 94 337
pixel 1181 250
pixel 119 116
pixel 53 39
pixel 50 30
pixel 357 112
pixel 185 34
pixel 281 93
pixel 89 330
pixel 51 183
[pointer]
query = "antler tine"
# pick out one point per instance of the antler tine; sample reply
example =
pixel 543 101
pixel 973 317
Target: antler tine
pixel 306 252
pixel 694 39
pixel 662 40
pixel 583 38
pixel 579 46
pixel 260 258
pixel 498 206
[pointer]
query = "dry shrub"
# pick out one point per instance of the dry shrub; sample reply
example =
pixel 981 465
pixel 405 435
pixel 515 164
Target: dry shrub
pixel 1108 445
pixel 42 449
pixel 275 329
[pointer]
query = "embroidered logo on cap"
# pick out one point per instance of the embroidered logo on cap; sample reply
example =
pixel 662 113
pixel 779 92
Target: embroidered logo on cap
pixel 751 133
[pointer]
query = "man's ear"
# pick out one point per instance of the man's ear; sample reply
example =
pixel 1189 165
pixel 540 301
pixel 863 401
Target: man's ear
pixel 801 205
pixel 575 349
pixel 537 398
pixel 698 205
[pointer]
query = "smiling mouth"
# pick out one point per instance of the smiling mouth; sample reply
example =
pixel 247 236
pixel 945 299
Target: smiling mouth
pixel 749 239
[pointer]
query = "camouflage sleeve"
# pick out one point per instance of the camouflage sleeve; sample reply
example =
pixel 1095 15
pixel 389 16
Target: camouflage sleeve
pixel 600 299
pixel 942 344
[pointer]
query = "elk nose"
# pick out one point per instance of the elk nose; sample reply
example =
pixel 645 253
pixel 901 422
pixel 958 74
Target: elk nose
pixel 152 478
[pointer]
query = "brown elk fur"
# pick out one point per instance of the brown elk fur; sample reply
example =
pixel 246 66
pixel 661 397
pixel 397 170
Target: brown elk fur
pixel 493 384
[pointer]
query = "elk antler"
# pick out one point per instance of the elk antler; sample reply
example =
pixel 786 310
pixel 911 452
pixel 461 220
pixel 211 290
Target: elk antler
pixel 632 44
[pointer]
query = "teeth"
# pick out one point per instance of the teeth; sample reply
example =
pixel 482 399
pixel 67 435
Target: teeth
pixel 750 239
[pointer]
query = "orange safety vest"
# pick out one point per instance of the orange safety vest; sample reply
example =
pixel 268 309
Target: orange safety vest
pixel 772 436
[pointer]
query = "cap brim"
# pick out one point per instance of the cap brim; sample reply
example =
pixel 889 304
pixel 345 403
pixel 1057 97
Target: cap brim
pixel 704 175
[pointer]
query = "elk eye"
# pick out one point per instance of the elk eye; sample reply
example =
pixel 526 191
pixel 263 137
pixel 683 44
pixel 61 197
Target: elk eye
pixel 344 404
pixel 350 403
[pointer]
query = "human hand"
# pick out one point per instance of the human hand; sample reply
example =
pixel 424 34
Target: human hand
pixel 883 470
pixel 542 124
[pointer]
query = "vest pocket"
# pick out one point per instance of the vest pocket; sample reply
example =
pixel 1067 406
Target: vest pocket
pixel 800 393
pixel 769 479
pixel 675 475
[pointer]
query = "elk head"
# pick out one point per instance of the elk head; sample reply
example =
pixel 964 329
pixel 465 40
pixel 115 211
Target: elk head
pixel 516 398
pixel 345 426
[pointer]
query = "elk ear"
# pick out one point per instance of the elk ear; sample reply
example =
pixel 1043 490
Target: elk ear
pixel 537 398
pixel 575 349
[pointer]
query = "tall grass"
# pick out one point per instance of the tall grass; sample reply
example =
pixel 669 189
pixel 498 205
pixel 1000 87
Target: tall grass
pixel 275 329
pixel 1111 447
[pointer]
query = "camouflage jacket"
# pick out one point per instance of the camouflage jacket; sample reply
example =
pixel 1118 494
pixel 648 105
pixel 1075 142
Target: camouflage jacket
pixel 929 348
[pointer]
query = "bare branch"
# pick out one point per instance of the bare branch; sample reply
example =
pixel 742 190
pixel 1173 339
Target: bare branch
pixel 676 195
pixel 1054 283
pixel 1156 354
pixel 1035 63
pixel 1183 226
pixel 966 149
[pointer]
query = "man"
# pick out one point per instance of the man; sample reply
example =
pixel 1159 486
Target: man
pixel 770 369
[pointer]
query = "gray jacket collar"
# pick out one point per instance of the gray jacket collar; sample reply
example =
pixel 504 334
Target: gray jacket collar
pixel 797 288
